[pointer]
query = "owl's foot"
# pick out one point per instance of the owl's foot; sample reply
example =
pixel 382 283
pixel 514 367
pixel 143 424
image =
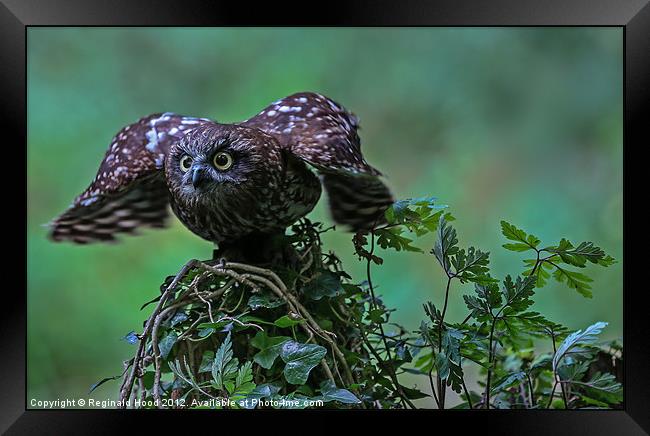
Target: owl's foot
pixel 261 250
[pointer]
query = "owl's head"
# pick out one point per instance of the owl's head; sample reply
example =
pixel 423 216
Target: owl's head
pixel 214 159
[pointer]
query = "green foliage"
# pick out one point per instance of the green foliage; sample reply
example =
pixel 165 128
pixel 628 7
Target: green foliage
pixel 300 359
pixel 224 367
pixel 500 330
pixel 327 341
pixel 559 255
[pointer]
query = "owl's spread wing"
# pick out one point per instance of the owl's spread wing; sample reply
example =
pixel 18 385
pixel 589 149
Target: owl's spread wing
pixel 129 190
pixel 323 133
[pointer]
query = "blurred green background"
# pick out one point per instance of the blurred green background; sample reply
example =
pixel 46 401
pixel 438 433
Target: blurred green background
pixel 522 124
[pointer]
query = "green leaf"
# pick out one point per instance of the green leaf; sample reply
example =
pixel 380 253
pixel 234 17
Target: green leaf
pixel 166 344
pixel 243 384
pixel 206 361
pixel 575 342
pixel 419 215
pixel 448 361
pixel 300 359
pixel 509 381
pixel 224 367
pixel 392 238
pixel 269 347
pixel 178 318
pixel 578 256
pixel 329 392
pixel 413 394
pixel 292 401
pixel 445 245
pixel 541 272
pixel 257 301
pixel 265 390
pixel 325 284
pixel 473 266
pixel 574 280
pixel 518 294
pixel 489 294
pixel 604 387
pixel 376 316
pixel 287 321
pixel 573 371
pixel 517 246
pixel 514 234
pixel 102 381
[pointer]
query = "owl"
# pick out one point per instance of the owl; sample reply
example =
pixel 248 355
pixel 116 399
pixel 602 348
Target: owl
pixel 229 182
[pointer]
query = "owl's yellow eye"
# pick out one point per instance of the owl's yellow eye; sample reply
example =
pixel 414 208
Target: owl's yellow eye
pixel 222 161
pixel 186 163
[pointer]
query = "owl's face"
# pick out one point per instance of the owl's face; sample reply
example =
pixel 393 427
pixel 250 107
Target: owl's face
pixel 216 160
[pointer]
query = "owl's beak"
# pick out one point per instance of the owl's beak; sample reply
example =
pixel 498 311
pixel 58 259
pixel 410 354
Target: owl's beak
pixel 198 177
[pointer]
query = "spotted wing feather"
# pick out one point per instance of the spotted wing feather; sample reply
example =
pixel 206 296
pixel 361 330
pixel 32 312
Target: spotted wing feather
pixel 129 190
pixel 323 133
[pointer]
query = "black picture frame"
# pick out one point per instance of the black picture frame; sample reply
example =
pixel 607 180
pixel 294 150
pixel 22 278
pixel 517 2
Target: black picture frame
pixel 632 15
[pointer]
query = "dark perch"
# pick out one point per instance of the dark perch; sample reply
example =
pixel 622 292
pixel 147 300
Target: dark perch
pixel 259 249
pixel 217 290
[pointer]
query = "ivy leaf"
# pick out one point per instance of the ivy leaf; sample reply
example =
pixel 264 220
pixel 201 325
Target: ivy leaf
pixel 256 301
pixel 329 392
pixel 269 347
pixel 265 390
pixel 287 321
pixel 166 344
pixel 300 359
pixel 509 381
pixel 413 394
pixel 292 401
pixel 326 284
pixel 178 318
